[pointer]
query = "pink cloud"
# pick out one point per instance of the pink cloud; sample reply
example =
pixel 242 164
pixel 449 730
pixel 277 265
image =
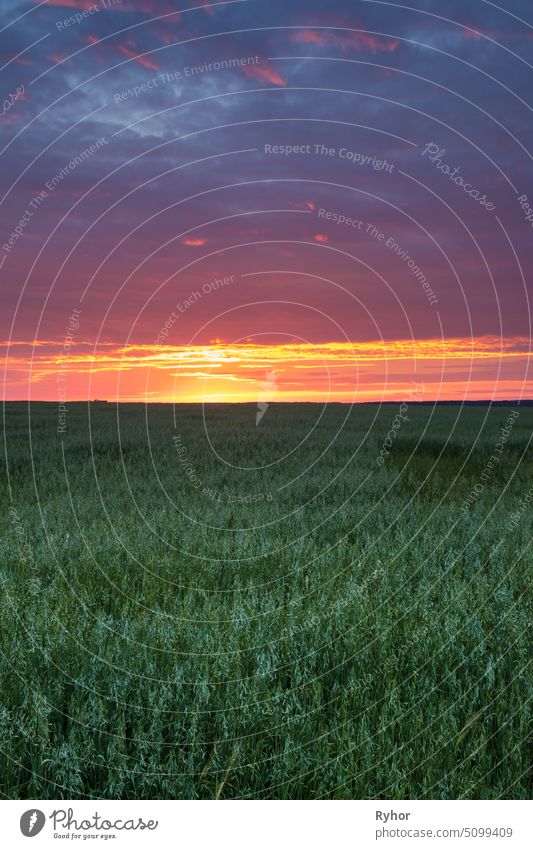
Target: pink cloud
pixel 345 41
pixel 194 242
pixel 469 32
pixel 142 60
pixel 58 58
pixel 265 73
pixel 207 6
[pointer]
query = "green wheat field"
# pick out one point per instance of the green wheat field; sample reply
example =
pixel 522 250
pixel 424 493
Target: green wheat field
pixel 198 606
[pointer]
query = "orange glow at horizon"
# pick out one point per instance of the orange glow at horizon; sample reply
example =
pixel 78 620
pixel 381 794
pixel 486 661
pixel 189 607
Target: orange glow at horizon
pixel 484 367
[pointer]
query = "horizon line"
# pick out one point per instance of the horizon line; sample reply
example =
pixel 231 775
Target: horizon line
pixel 431 401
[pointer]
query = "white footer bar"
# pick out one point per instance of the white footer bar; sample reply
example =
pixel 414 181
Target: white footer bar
pixel 268 825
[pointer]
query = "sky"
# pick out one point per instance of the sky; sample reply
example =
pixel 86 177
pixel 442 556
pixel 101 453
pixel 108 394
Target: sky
pixel 279 201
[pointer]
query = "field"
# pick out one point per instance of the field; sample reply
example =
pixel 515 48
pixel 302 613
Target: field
pixel 196 606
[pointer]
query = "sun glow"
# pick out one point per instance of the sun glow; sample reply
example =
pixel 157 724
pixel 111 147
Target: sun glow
pixel 330 371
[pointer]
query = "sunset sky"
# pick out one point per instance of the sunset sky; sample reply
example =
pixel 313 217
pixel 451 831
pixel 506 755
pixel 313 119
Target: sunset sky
pixel 273 200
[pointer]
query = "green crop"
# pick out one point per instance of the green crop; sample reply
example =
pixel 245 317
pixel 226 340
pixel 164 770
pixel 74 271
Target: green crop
pixel 196 606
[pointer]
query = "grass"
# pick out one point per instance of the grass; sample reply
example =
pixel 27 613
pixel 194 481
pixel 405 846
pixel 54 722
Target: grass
pixel 175 624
